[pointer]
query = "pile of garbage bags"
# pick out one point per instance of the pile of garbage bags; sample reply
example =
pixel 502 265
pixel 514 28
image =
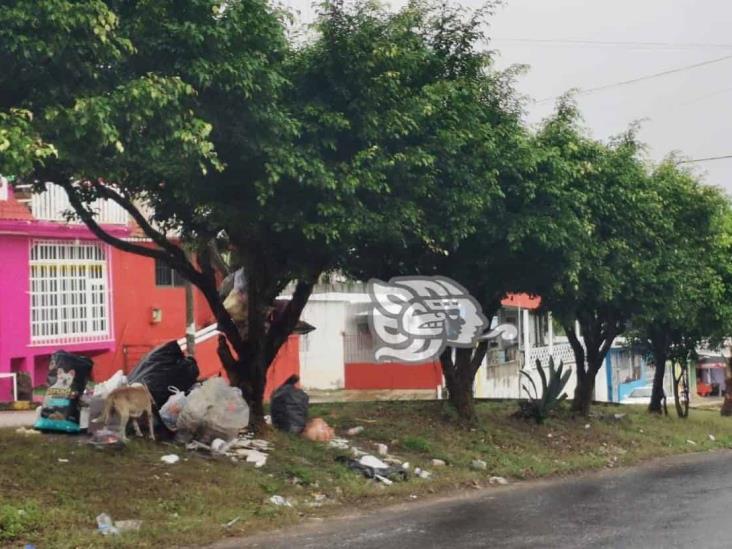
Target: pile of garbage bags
pixel 212 410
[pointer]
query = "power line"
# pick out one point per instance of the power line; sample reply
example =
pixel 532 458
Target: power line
pixel 643 78
pixel 571 42
pixel 692 160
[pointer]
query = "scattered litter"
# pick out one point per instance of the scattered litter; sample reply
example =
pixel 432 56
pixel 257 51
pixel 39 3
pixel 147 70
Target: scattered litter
pixel 412 496
pixel 478 465
pixel 712 438
pixel 421 473
pixel 405 466
pixel 280 501
pixel 587 425
pixel 438 463
pixel 357 452
pixel 498 480
pixel 170 459
pixel 318 430
pixel 549 435
pixel 63 460
pixel 382 449
pixel 691 442
pixel 383 479
pixel 127 525
pixel 354 431
pixel 339 444
pixel 372 461
pixel 618 416
pixel 105 438
pixel 231 523
pixel 105 526
pixel 219 446
pixel 24 431
pixel 370 466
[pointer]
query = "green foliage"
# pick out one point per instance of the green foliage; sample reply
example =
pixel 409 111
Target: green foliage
pixel 17 522
pixel 416 444
pixel 540 405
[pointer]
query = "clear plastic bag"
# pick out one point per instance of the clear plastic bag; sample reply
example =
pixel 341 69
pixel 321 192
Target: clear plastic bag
pixel 172 408
pixel 213 410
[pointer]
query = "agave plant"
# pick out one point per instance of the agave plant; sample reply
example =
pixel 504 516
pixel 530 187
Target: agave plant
pixel 552 391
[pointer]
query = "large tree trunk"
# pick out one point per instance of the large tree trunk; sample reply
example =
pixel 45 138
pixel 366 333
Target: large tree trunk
pixel 598 336
pixel 657 394
pixel 459 367
pixel 583 395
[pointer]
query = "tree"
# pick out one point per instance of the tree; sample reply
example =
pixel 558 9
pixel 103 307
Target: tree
pixel 200 120
pixel 615 210
pixel 685 301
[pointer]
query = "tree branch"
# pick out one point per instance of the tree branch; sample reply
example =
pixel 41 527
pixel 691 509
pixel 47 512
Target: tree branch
pixel 88 218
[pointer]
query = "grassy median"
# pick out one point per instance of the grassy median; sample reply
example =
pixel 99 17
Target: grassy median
pixel 52 502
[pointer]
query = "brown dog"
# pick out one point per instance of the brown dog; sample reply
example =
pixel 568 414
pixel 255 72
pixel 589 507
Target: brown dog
pixel 130 403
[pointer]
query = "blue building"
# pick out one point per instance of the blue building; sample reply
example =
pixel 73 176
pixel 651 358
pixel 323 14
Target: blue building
pixel 627 368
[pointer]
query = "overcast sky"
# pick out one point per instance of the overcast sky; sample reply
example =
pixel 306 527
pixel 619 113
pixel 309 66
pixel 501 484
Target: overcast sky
pixel 588 44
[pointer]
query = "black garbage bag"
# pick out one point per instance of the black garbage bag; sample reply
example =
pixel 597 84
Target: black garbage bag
pixel 67 378
pixel 162 368
pixel 289 407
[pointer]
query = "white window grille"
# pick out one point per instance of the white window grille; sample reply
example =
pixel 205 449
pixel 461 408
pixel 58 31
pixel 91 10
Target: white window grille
pixel 69 297
pixel 3 188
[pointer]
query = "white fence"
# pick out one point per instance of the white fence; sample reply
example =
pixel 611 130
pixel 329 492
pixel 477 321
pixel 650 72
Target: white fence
pixel 52 205
pixel 561 352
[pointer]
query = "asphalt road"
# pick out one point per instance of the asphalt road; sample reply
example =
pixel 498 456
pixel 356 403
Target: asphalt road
pixel 679 502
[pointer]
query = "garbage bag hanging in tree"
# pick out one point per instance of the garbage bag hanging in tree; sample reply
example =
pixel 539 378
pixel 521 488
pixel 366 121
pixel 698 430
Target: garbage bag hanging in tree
pixel 164 367
pixel 289 406
pixel 67 378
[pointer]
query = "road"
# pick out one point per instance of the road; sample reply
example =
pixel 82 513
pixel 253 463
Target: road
pixel 678 502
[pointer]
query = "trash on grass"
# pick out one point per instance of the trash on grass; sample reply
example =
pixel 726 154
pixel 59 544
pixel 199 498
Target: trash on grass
pixel 371 467
pixel 106 438
pixel 354 431
pixel 280 501
pixel 170 459
pixel 24 431
pixel 382 449
pixel 105 526
pixel 213 410
pixel 318 430
pixel 127 525
pixel 231 523
pixel 289 406
pixel 478 465
pixel 438 463
pixel 372 461
pixel 498 480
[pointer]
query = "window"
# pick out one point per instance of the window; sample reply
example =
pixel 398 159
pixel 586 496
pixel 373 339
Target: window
pixel 165 276
pixel 69 301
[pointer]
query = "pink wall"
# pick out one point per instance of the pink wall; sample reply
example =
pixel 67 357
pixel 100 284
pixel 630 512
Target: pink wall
pixel 16 352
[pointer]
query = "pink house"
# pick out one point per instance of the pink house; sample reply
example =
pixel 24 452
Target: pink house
pixel 56 289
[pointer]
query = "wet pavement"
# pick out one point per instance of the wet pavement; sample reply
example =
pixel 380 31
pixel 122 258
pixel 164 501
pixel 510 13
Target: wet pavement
pixel 675 502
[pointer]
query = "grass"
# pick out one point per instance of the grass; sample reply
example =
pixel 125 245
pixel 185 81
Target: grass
pixel 54 504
